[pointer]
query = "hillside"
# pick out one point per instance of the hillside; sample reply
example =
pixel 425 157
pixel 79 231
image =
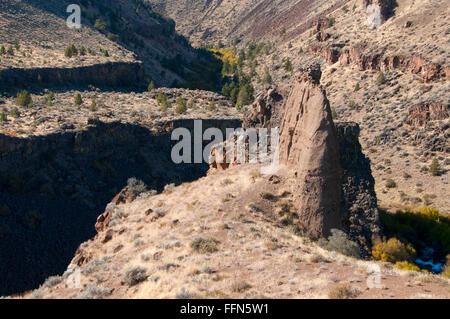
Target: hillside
pixel 150 251
pixel 111 33
pixel 404 119
pixel 95 204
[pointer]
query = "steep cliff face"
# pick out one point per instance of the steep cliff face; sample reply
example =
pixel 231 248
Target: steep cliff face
pixel 422 113
pixel 370 58
pixel 110 75
pixel 309 146
pixel 333 182
pixel 50 202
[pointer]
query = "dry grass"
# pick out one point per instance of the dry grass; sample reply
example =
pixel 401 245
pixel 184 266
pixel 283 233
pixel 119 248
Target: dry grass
pixel 342 292
pixel 205 245
pixel 240 286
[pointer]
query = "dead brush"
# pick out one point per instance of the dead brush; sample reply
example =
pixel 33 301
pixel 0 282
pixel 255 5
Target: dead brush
pixel 343 292
pixel 205 245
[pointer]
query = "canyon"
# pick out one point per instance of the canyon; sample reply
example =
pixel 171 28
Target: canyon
pixel 88 188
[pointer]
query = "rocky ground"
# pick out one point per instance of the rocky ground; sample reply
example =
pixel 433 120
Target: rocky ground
pixel 217 238
pixel 134 108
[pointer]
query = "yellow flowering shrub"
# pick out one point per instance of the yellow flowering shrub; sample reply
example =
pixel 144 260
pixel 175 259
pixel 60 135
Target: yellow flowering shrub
pixel 406 265
pixel 393 250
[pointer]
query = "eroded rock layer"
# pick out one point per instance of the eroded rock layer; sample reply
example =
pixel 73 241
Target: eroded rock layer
pixel 309 145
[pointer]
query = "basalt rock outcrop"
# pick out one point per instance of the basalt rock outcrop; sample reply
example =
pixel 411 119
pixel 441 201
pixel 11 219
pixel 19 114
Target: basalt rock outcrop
pixel 321 34
pixel 421 114
pixel 378 11
pixel 113 74
pixel 266 110
pixel 376 59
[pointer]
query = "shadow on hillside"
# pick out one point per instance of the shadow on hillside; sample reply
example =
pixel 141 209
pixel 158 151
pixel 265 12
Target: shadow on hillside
pixel 52 189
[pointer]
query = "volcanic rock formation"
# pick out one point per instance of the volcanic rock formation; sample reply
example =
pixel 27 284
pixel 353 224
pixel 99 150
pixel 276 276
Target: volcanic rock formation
pixel 309 145
pixel 378 11
pixel 333 178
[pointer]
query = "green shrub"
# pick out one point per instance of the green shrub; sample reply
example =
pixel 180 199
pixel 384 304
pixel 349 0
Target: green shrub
pixel 181 106
pixel 393 251
pixel 330 22
pixel 352 104
pixel 71 51
pixel 10 50
pixel 163 101
pixel 211 106
pixel 112 36
pixel 339 242
pixel 99 25
pixel 244 97
pixel 151 86
pixel 267 78
pixel 49 98
pixel 287 65
pixel 24 99
pixel 381 78
pixel 357 87
pixel 15 112
pixel 77 99
pixel 93 106
pixel 2 50
pixel 3 116
pixel 161 98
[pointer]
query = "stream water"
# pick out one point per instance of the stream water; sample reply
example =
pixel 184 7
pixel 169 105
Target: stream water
pixel 428 260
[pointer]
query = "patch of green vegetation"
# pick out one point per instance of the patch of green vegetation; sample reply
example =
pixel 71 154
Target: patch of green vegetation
pixel 339 242
pixel 24 99
pixel 435 168
pixel 419 228
pixel 181 106
pixel 71 51
pixel 381 79
pixel 77 99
